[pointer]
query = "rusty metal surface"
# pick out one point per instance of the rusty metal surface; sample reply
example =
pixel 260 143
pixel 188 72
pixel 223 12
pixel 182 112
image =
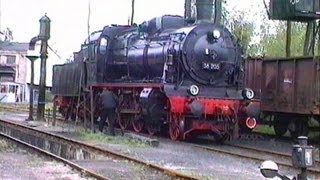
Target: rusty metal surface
pixel 289 85
pixel 253 75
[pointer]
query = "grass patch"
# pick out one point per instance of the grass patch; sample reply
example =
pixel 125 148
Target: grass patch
pixel 194 174
pixel 100 138
pixel 265 129
pixel 5 146
pixel 139 168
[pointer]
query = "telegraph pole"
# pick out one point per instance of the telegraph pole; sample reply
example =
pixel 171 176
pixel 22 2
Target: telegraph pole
pixel 132 12
pixel 0 14
pixel 288 39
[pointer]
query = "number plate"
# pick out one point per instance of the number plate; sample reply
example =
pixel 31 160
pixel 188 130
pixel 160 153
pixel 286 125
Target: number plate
pixel 211 66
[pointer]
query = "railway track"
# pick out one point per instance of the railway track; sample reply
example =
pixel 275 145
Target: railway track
pixel 81 169
pixel 9 129
pixel 251 153
pixel 255 154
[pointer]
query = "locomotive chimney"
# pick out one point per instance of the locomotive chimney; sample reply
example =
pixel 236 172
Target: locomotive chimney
pixel 187 9
pixel 205 11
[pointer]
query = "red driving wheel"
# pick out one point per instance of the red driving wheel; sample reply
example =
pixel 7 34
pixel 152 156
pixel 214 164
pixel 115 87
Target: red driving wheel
pixel 137 125
pixel 176 127
pixel 123 121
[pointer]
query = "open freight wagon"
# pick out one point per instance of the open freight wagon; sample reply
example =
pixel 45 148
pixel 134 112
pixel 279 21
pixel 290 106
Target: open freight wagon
pixel 287 89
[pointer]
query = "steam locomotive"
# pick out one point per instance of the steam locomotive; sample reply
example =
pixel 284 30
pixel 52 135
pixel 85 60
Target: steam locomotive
pixel 167 74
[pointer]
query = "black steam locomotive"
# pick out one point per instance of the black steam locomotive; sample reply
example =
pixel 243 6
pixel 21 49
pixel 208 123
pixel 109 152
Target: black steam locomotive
pixel 166 73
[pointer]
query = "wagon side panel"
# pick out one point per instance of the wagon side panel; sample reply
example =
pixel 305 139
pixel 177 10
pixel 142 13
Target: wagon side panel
pixel 269 85
pixel 290 86
pixel 253 75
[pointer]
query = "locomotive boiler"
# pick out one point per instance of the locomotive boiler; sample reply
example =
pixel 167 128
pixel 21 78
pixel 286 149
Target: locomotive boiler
pixel 166 73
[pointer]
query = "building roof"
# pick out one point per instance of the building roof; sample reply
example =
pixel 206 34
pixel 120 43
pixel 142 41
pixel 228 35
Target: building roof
pixel 7 69
pixel 14 46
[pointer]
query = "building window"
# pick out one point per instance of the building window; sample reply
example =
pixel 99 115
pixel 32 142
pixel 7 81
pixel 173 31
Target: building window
pixel 3 89
pixel 6 78
pixel 11 59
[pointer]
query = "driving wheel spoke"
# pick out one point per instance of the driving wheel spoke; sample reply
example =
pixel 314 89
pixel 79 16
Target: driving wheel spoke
pixel 175 129
pixel 138 125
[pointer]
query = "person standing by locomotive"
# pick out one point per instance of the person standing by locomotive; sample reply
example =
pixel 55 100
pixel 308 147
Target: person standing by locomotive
pixel 109 102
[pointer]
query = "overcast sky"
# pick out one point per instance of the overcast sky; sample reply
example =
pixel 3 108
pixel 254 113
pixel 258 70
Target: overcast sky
pixel 69 19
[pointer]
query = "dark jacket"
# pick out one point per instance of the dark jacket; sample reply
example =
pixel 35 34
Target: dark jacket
pixel 108 100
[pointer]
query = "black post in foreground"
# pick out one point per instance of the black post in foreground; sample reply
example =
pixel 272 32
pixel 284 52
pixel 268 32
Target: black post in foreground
pixel 92 109
pixel 302 157
pixel 32 59
pixel 54 111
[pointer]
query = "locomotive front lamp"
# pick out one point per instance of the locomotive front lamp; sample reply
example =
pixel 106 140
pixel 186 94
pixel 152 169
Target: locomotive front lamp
pixel 194 90
pixel 103 42
pixel 213 36
pixel 216 34
pixel 44 28
pixel 103 45
pixel 248 93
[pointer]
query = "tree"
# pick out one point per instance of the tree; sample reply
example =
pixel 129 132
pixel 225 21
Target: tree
pixel 288 38
pixel 242 28
pixel 274 45
pixel 7 35
pixel 244 31
pixel 309 42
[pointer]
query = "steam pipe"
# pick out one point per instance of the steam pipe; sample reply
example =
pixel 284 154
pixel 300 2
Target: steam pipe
pixel 32 42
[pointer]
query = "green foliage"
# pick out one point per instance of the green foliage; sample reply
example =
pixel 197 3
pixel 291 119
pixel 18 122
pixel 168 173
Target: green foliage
pixel 257 34
pixel 49 96
pixel 5 146
pixel 104 139
pixel 244 32
pixel 235 19
pixel 265 130
pixel 274 44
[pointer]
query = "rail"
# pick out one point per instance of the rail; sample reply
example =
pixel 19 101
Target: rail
pixel 256 154
pixel 91 148
pixel 58 158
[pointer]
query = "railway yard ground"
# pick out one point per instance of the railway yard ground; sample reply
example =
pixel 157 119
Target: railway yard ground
pixel 18 163
pixel 182 157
